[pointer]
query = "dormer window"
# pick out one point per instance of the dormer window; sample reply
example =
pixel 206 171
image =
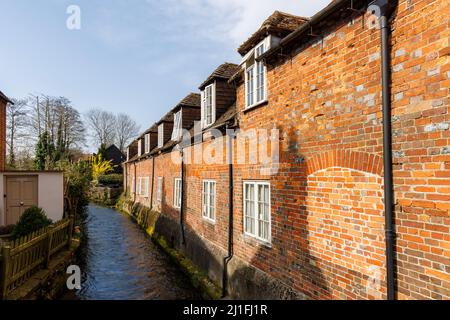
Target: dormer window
pixel 208 105
pixel 176 133
pixel 160 135
pixel 255 76
pixel 147 143
pixel 140 147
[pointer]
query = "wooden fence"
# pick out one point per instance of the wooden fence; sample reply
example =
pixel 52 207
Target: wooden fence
pixel 22 258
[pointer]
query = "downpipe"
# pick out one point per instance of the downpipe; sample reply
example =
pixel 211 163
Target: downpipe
pixel 382 9
pixel 183 239
pixel 153 182
pixel 227 259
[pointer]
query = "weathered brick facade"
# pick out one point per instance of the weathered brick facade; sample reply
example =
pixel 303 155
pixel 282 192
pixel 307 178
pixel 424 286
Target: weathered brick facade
pixel 327 211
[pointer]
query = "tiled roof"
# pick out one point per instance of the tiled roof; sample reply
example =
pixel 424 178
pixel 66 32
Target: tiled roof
pixel 2 96
pixel 278 22
pixel 224 71
pixel 191 100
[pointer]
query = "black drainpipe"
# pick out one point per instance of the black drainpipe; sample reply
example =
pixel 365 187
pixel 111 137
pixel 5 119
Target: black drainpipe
pixel 384 8
pixel 153 180
pixel 134 194
pixel 183 239
pixel 230 214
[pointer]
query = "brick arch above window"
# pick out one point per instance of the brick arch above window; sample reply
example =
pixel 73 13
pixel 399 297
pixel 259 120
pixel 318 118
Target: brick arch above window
pixel 362 161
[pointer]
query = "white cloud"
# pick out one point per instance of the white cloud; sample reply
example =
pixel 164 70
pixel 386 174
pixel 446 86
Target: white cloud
pixel 233 20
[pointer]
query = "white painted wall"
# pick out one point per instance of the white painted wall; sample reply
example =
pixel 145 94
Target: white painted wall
pixel 50 193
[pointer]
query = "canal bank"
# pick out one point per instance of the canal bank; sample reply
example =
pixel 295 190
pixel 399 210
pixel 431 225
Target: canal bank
pixel 120 262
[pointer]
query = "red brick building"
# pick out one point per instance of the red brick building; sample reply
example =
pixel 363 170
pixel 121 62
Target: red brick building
pixel 312 223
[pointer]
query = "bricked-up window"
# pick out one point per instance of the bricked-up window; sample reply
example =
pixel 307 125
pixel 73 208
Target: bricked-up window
pixel 159 189
pixel 208 112
pixel 257 210
pixel 177 193
pixel 147 143
pixel 209 200
pixel 160 135
pixel 176 133
pixel 255 76
pixel 133 186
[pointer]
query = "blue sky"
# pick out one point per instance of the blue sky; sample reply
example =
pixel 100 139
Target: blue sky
pixel 135 56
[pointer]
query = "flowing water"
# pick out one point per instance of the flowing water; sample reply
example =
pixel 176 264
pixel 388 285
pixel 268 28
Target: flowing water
pixel 120 262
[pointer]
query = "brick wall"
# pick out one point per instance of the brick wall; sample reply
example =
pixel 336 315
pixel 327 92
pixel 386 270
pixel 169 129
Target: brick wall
pixel 327 209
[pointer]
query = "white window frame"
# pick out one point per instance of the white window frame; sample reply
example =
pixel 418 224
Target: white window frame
pixel 147 143
pixel 133 186
pixel 138 185
pixel 177 122
pixel 143 187
pixel 159 183
pixel 209 210
pixel 257 217
pixel 253 68
pixel 161 135
pixel 204 99
pixel 139 147
pixel 177 193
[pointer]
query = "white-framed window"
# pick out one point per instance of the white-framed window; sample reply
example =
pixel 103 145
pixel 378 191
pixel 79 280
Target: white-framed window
pixel 209 200
pixel 138 186
pixel 159 183
pixel 208 112
pixel 249 85
pixel 256 76
pixel 139 147
pixel 160 135
pixel 133 186
pixel 177 193
pixel 143 186
pixel 176 133
pixel 257 210
pixel 147 143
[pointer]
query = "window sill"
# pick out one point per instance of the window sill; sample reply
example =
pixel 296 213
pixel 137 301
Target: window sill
pixel 251 239
pixel 256 105
pixel 208 220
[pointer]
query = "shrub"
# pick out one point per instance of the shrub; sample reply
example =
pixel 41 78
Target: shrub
pixel 101 167
pixel 4 230
pixel 32 219
pixel 110 179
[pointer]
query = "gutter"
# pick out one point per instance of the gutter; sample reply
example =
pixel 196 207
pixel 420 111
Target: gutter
pixel 383 9
pixel 307 26
pixel 227 259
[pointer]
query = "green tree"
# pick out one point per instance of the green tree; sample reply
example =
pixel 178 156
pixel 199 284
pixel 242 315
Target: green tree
pixel 102 151
pixel 45 150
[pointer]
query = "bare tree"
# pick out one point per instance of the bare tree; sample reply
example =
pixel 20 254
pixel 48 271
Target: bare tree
pixel 15 124
pixel 102 125
pixel 126 130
